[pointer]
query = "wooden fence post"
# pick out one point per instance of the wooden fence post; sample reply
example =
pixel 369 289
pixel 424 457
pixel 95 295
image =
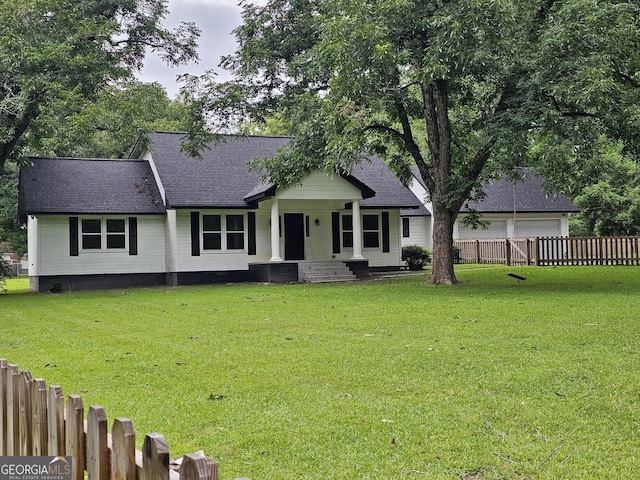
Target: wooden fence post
pixel 155 458
pixel 55 421
pixel 97 450
pixel 39 428
pixel 75 435
pixel 26 418
pixel 507 251
pixel 195 466
pixel 13 410
pixel 3 406
pixel 123 450
pixel 35 422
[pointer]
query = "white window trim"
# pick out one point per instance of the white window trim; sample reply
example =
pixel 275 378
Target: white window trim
pixel 362 215
pixel 378 231
pixel 223 234
pixel 343 231
pixel 103 235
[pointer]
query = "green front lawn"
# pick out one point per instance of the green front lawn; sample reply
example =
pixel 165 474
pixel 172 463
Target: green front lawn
pixel 384 379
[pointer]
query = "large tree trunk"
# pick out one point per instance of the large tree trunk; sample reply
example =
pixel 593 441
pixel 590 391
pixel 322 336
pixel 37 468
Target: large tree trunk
pixel 442 272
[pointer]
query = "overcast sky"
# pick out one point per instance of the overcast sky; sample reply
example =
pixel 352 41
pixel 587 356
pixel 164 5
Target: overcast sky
pixel 216 19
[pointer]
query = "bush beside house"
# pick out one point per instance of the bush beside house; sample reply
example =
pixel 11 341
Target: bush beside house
pixel 416 257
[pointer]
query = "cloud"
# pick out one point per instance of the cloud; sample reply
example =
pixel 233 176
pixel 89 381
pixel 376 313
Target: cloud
pixel 217 19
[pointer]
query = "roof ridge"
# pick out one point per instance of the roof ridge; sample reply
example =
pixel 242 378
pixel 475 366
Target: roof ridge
pixel 236 135
pixel 35 157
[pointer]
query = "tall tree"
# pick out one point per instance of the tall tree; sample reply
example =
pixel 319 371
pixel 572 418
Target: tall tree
pixel 457 87
pixel 606 188
pixel 107 127
pixel 110 125
pixel 56 54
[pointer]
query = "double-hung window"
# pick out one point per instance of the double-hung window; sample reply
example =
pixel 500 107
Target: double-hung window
pixel 235 232
pixel 347 231
pixel 104 233
pixel 212 232
pixel 370 231
pixel 222 232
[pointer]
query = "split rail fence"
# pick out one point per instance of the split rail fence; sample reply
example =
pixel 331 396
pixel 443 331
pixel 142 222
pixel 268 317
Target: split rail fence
pixel 547 251
pixel 34 421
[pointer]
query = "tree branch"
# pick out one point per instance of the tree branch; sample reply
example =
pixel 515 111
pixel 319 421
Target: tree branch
pixel 411 146
pixel 626 78
pixel 570 114
pixel 431 121
pixel 7 147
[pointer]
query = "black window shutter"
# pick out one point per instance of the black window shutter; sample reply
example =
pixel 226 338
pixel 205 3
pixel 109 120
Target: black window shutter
pixel 335 231
pixel 73 236
pixel 195 234
pixel 406 232
pixel 133 235
pixel 385 232
pixel 251 231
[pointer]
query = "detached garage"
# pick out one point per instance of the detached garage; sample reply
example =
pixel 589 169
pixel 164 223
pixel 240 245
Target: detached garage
pixel 513 209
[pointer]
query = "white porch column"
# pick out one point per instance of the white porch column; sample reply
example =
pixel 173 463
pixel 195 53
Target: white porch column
pixel 275 232
pixel 357 231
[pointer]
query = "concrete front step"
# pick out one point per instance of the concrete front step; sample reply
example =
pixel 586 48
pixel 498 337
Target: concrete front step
pixel 318 272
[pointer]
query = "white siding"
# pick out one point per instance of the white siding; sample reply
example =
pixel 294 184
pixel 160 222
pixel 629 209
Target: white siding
pixel 318 186
pixel 318 245
pixel 420 192
pixel 51 255
pixel 419 232
pixel 495 229
pixel 375 256
pixel 393 258
pixel 521 226
pixel 208 260
pixel 538 228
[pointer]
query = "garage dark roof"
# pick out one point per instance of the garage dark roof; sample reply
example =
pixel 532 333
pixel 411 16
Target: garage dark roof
pixel 526 195
pixel 88 186
pixel 222 179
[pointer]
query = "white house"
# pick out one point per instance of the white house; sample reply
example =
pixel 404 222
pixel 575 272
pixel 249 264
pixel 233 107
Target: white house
pixel 513 209
pixel 165 218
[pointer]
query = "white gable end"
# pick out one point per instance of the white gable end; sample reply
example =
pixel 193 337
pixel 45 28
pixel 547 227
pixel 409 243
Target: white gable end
pixel 318 186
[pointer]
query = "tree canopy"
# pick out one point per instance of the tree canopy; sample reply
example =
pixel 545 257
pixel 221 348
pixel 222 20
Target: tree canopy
pixel 55 55
pixel 106 127
pixel 462 89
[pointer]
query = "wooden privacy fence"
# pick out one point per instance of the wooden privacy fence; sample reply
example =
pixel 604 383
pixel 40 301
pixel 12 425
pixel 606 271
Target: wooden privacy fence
pixel 588 251
pixel 35 422
pixel 510 251
pixel 551 251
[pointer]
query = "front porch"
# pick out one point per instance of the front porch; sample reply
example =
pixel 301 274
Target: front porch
pixel 307 271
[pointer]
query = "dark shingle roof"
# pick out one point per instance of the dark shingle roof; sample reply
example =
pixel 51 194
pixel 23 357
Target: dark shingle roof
pixel 67 185
pixel 526 195
pixel 389 191
pixel 222 179
pixel 416 212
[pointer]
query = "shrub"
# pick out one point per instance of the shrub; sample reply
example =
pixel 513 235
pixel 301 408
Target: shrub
pixel 5 272
pixel 456 254
pixel 416 257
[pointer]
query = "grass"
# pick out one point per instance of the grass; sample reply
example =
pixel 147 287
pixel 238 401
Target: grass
pixel 393 379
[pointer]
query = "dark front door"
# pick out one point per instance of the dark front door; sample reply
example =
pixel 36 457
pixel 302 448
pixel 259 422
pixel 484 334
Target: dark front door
pixel 293 236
